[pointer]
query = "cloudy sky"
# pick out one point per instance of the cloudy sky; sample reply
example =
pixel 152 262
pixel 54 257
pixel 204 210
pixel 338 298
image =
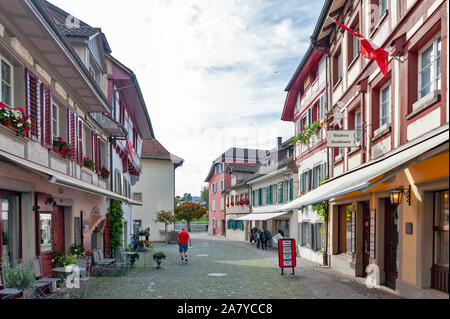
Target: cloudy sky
pixel 213 72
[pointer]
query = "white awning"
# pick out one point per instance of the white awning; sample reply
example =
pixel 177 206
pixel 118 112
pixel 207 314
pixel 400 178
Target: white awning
pixel 66 180
pixel 267 209
pixel 263 216
pixel 359 178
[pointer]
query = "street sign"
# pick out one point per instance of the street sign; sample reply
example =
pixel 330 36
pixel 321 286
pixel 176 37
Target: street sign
pixel 341 138
pixel 286 254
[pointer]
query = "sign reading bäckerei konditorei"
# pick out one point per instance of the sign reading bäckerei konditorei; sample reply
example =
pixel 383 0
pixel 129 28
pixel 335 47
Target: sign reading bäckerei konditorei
pixel 341 138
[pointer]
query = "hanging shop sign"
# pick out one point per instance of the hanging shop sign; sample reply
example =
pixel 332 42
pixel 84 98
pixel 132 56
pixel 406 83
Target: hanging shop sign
pixel 341 138
pixel 286 254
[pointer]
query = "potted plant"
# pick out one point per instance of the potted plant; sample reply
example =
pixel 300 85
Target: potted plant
pixel 62 148
pixel 69 261
pixel 159 256
pixel 18 277
pixel 15 119
pixel 77 250
pixel 88 163
pixel 58 259
pixel 104 172
pixel 133 257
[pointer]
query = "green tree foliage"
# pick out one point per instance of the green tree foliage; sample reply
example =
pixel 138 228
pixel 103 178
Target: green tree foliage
pixel 187 197
pixel 204 195
pixel 166 217
pixel 188 211
pixel 115 225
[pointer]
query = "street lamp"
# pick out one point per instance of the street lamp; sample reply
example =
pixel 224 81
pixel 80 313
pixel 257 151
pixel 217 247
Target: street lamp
pixel 396 195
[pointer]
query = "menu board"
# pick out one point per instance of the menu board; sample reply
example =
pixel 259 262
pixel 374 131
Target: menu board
pixel 286 253
pixel 372 233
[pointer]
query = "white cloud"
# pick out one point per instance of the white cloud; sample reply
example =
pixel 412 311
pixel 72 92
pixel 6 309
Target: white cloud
pixel 207 69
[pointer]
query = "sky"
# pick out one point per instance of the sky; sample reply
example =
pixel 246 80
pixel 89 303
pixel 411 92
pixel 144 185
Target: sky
pixel 212 72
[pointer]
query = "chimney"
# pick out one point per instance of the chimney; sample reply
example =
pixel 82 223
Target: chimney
pixel 279 141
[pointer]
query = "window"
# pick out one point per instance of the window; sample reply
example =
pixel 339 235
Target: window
pixel 269 196
pixel 118 182
pixel 55 127
pixel 222 204
pixel 6 83
pixel 306 233
pixel 353 43
pixel 280 192
pixel 345 229
pixel 382 5
pixel 440 229
pixel 385 105
pixel 317 173
pixel 430 68
pixel 45 227
pixel 318 233
pixel 260 197
pixel 214 205
pixel 291 189
pixel 358 125
pixel 137 197
pixel 222 185
pixel 213 187
pixel 337 67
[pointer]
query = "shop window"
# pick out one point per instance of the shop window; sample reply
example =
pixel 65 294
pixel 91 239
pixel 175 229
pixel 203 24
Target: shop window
pixel 440 268
pixel 9 222
pixel 429 68
pixel 345 229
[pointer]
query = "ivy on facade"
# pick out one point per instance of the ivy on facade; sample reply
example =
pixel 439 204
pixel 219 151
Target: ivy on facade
pixel 116 225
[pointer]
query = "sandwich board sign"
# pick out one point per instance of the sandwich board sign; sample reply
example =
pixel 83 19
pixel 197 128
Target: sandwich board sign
pixel 286 254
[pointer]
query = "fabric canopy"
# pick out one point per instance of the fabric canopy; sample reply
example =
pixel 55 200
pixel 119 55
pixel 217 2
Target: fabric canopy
pixel 360 177
pixel 66 180
pixel 263 216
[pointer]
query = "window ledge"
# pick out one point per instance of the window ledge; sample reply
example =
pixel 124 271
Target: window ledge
pixel 337 83
pixel 385 129
pixel 354 150
pixel 424 103
pixel 87 170
pixel 338 158
pixel 353 61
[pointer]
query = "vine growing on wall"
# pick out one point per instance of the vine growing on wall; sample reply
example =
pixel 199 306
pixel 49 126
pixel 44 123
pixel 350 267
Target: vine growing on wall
pixel 305 136
pixel 115 225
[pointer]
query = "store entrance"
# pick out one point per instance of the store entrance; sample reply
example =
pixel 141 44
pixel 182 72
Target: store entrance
pixel 51 237
pixel 390 243
pixel 10 243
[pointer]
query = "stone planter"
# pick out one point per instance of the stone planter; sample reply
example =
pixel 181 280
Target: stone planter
pixel 158 261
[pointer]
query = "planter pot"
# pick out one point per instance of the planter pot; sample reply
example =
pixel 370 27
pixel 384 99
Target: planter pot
pixel 9 124
pixel 158 261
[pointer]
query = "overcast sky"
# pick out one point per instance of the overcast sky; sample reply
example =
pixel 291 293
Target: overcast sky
pixel 212 72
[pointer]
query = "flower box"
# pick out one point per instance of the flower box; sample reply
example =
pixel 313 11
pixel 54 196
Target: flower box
pixel 15 119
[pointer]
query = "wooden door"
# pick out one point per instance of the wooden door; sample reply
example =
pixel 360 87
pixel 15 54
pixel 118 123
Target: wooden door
pixel 390 244
pixel 366 236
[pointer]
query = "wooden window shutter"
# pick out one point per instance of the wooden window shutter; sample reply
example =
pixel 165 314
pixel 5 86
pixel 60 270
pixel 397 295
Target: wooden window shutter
pixel 33 105
pixel 71 128
pixel 47 117
pixel 312 242
pixel 80 141
pixel 96 151
pixel 98 161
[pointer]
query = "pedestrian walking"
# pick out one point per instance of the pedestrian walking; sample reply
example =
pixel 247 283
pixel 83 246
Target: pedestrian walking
pixel 147 234
pixel 183 239
pixel 258 238
pixel 263 240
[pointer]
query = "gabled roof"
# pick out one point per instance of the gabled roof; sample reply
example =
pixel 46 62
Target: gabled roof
pixel 152 149
pixel 82 31
pixel 243 167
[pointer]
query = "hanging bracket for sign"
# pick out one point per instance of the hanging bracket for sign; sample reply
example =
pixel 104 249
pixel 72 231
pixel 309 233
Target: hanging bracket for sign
pixel 286 254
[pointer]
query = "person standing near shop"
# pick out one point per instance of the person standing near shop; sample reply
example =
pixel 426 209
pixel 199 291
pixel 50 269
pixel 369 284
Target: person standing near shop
pixel 263 237
pixel 147 234
pixel 257 238
pixel 183 239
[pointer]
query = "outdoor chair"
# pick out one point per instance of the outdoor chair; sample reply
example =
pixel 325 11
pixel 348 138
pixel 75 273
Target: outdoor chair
pixel 8 293
pixel 85 276
pixel 101 264
pixel 43 288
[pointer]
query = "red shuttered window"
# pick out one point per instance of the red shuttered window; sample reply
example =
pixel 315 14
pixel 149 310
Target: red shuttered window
pixel 72 133
pixel 47 116
pixel 33 105
pixel 80 155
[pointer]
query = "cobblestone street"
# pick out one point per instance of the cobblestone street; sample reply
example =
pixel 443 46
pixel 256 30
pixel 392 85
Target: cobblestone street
pixel 250 273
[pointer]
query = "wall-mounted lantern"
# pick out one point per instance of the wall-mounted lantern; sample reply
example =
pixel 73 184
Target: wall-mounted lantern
pixel 396 195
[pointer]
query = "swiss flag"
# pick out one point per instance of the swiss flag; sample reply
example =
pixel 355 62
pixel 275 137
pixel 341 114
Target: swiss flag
pixel 370 50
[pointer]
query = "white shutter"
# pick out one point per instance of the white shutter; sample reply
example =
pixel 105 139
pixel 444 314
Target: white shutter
pixel 222 204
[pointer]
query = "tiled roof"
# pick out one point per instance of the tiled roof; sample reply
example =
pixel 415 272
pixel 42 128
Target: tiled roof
pixel 243 167
pixel 82 31
pixel 151 148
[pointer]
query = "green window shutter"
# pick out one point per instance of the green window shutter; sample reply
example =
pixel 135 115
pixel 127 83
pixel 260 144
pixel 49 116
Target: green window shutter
pixel 291 189
pixel 260 197
pixel 242 224
pixel 267 195
pixel 280 192
pixel 271 194
pixel 253 198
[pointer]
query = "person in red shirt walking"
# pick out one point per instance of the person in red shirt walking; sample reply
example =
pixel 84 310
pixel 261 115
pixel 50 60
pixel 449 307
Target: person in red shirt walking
pixel 183 238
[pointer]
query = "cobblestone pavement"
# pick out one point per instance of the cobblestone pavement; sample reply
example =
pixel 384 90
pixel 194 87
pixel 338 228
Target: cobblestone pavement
pixel 250 273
